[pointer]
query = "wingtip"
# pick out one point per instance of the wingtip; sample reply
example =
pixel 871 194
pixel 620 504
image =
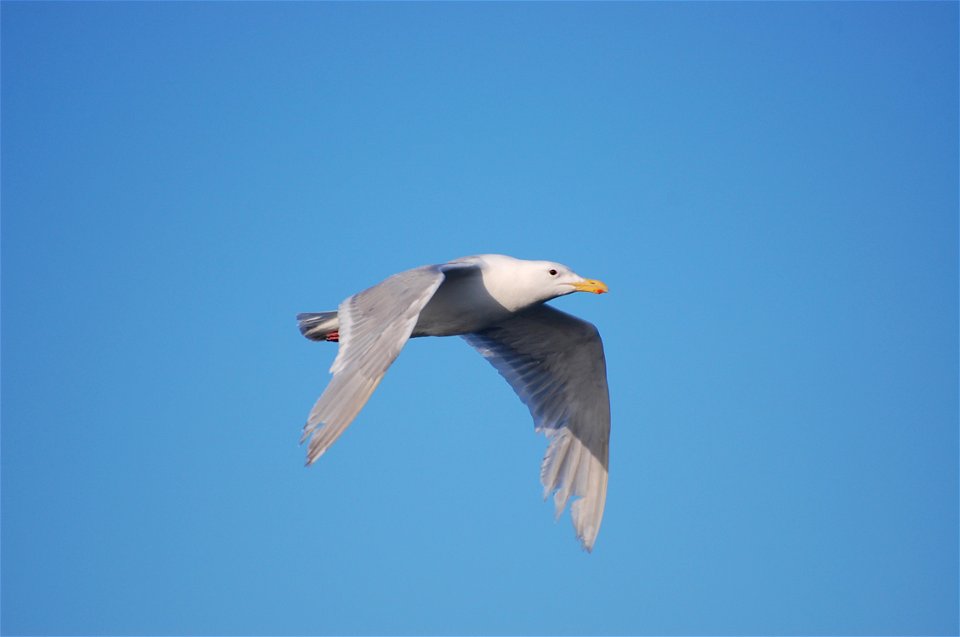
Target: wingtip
pixel 306 434
pixel 312 458
pixel 587 539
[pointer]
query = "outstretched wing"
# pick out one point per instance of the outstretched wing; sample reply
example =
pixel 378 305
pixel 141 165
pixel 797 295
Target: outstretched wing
pixel 374 326
pixel 555 363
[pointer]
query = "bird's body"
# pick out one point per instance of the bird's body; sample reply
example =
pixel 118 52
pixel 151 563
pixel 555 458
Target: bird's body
pixel 462 304
pixel 552 360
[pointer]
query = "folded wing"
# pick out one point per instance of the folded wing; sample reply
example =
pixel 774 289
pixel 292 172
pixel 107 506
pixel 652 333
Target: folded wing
pixel 555 363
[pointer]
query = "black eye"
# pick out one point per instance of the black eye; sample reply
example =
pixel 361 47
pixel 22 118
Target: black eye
pixel 553 273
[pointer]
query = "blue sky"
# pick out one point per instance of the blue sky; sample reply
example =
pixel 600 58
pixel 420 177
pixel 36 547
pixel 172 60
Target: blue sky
pixel 770 191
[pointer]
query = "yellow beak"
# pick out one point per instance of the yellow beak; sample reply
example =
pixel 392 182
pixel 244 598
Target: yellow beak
pixel 590 285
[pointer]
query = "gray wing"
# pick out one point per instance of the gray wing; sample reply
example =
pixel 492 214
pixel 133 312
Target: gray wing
pixel 374 326
pixel 555 363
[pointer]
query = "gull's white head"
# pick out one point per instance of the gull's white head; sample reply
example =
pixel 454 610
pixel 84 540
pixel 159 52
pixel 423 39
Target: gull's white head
pixel 517 283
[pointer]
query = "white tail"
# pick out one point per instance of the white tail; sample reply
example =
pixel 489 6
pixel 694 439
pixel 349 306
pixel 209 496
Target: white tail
pixel 318 325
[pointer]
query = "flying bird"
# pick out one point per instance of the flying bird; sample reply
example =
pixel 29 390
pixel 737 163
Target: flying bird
pixel 553 361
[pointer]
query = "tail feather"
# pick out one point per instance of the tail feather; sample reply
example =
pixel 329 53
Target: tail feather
pixel 318 325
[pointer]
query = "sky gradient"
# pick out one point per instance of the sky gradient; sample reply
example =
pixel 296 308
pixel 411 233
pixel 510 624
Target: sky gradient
pixel 769 190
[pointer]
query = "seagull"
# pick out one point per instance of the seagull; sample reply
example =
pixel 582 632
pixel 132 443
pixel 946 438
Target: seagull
pixel 552 360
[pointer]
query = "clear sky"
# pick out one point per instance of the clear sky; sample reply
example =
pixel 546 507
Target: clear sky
pixel 769 190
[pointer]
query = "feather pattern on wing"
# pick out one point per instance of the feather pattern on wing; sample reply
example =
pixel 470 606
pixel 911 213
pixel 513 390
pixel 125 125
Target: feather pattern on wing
pixel 555 363
pixel 374 326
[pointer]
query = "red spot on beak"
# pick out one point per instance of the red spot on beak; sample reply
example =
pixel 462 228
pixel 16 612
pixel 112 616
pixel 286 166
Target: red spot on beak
pixel 332 337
